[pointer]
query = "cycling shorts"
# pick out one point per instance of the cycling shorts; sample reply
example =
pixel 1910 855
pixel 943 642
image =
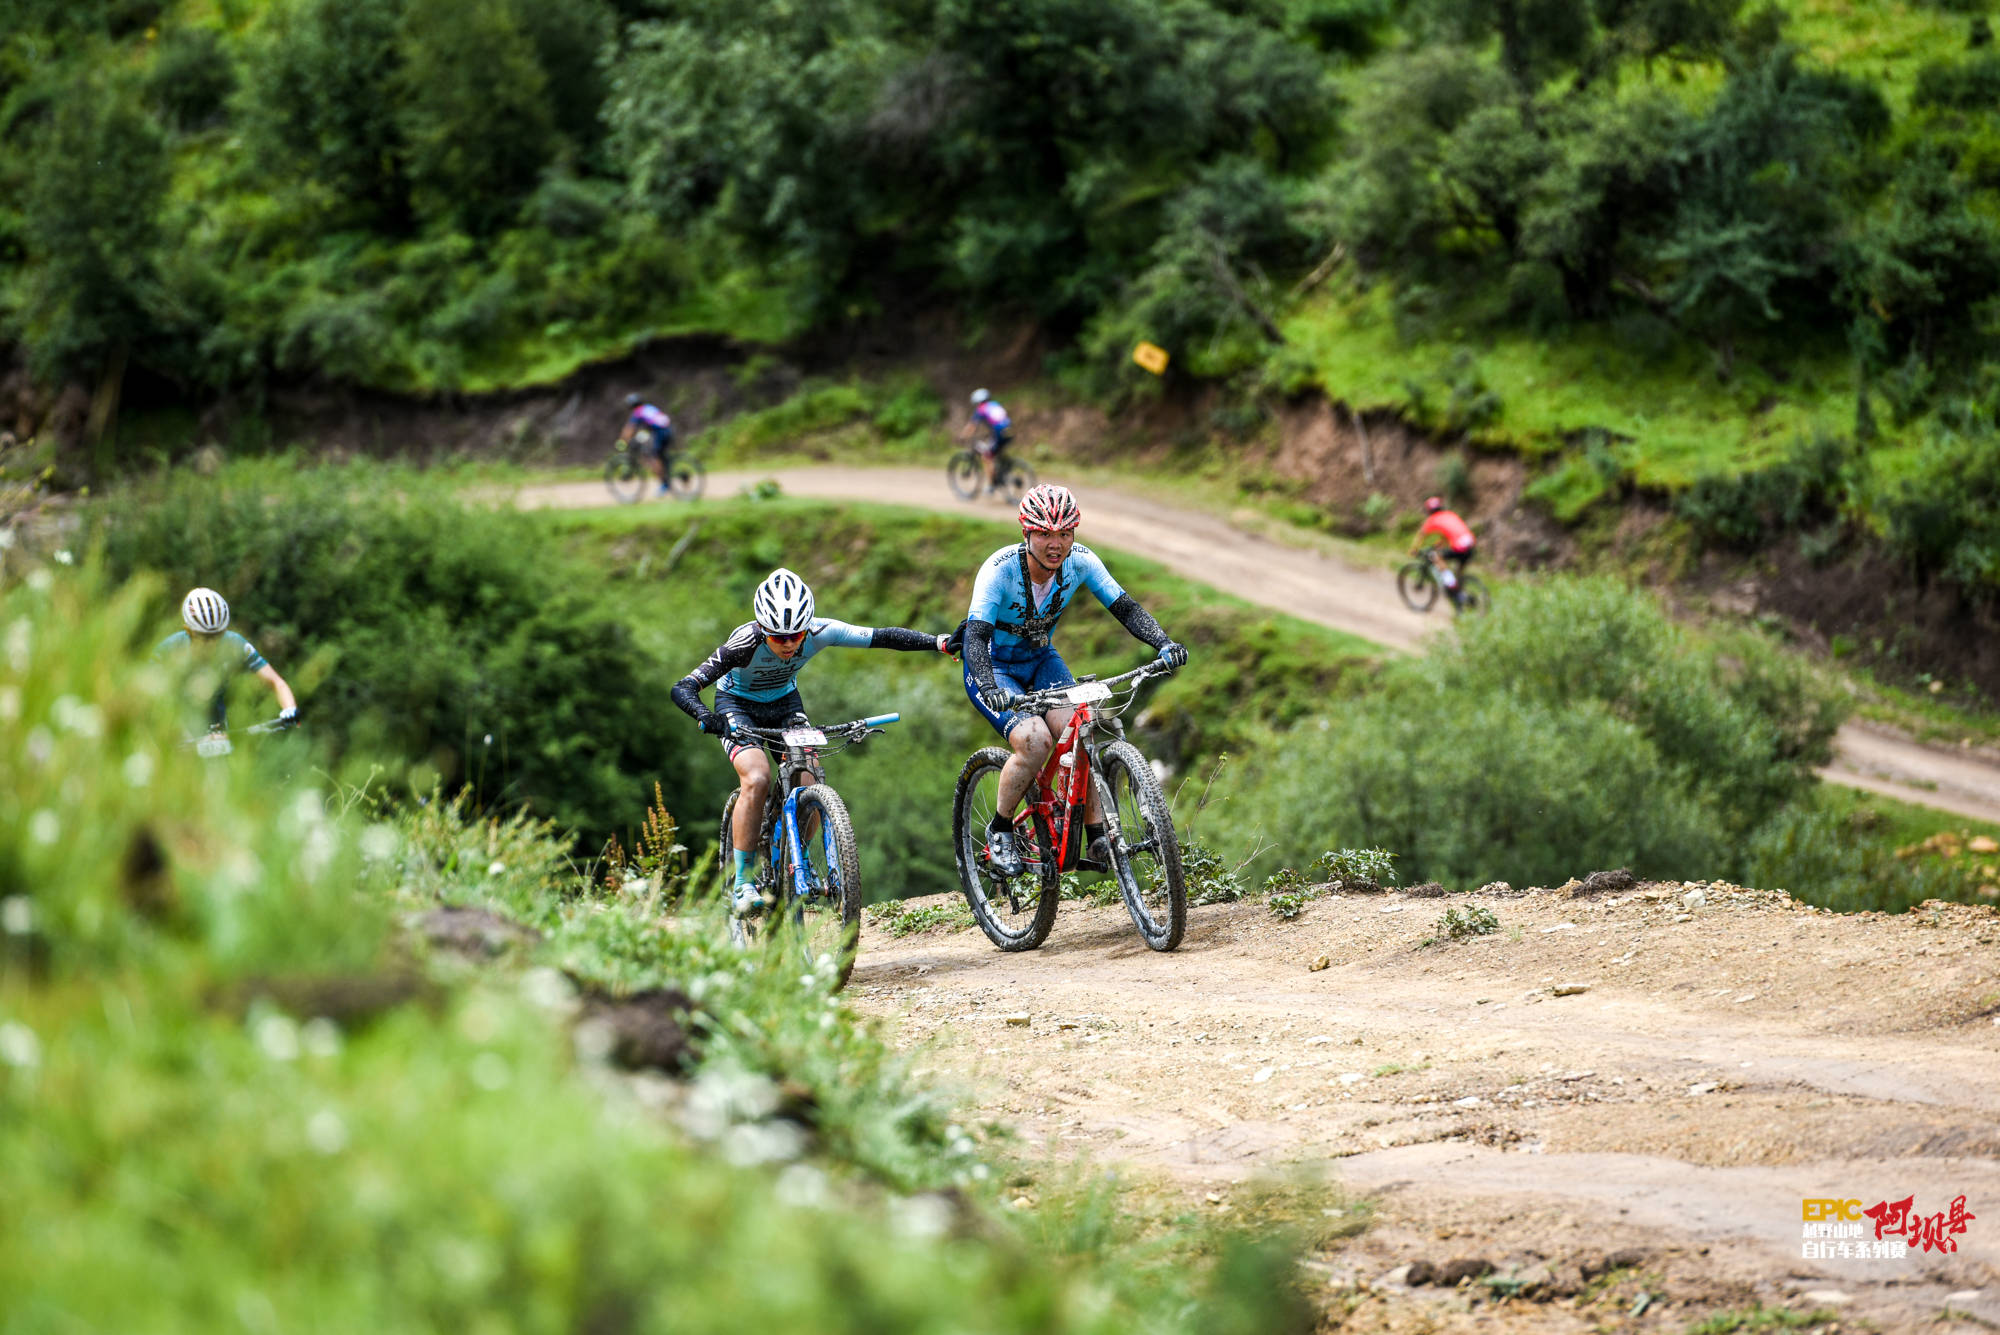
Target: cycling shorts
pixel 1018 679
pixel 787 711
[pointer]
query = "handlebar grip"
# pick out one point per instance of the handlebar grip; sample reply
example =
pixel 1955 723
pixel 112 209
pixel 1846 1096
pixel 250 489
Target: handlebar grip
pixel 881 719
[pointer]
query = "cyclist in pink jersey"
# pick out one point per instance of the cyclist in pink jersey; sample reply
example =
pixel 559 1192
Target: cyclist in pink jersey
pixel 654 431
pixel 990 417
pixel 1454 535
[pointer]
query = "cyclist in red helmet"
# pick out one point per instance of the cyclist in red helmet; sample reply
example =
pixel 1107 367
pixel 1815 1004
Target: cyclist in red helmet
pixel 1446 529
pixel 1017 599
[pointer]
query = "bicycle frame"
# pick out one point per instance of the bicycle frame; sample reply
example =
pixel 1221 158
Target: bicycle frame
pixel 1072 753
pixel 781 808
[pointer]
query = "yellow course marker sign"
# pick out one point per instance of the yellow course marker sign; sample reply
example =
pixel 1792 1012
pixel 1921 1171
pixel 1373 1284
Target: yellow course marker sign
pixel 1151 356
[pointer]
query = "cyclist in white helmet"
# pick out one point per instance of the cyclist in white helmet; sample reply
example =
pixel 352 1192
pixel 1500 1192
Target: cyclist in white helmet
pixel 989 416
pixel 1017 599
pixel 753 672
pixel 206 615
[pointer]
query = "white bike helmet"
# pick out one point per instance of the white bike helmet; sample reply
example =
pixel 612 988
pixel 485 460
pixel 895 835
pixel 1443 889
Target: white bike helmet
pixel 204 612
pixel 979 396
pixel 784 605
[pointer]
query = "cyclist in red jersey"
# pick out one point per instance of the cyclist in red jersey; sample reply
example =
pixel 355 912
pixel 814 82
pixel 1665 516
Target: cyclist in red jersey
pixel 1454 535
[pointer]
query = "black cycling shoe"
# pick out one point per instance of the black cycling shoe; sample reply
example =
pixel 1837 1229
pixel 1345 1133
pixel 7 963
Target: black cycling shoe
pixel 1002 854
pixel 1096 855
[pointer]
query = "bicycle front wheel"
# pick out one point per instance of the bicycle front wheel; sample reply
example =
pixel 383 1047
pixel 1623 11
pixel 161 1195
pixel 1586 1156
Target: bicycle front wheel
pixel 627 476
pixel 685 478
pixel 1015 913
pixel 1145 850
pixel 1473 596
pixel 1418 586
pixel 1016 478
pixel 826 912
pixel 967 475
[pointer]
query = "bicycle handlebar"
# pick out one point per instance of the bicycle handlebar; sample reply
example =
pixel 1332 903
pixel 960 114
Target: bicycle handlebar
pixel 852 731
pixel 1060 695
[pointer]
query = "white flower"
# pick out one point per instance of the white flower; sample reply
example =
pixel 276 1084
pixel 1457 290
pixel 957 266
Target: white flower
pixel 138 769
pixel 19 1046
pixel 45 827
pixel 326 1133
pixel 17 915
pixel 278 1036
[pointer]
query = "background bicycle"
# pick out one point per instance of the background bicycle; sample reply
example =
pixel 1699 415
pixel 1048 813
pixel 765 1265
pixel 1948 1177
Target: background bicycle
pixel 1420 581
pixel 629 471
pixel 1017 913
pixel 811 872
pixel 967 474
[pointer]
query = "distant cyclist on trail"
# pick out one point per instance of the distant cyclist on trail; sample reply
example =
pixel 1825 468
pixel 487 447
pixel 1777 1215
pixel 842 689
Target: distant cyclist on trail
pixel 990 417
pixel 1018 597
pixel 753 672
pixel 208 637
pixel 658 440
pixel 1446 528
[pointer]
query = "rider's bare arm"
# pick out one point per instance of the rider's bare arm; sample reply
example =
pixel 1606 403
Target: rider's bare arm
pixel 287 702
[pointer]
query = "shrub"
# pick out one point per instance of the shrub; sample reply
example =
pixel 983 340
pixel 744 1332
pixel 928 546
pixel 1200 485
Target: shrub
pixel 1811 484
pixel 1464 920
pixel 1582 729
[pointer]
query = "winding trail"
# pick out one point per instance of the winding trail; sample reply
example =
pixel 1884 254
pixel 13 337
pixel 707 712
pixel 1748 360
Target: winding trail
pixel 1323 589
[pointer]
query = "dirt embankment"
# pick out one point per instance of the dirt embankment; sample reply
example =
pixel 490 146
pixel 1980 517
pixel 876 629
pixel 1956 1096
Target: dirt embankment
pixel 1607 1097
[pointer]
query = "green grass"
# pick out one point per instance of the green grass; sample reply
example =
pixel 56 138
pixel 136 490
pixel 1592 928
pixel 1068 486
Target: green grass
pixel 1672 420
pixel 1888 41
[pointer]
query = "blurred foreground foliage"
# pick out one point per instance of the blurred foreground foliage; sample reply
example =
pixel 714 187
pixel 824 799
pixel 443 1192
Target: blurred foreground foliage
pixel 234 1078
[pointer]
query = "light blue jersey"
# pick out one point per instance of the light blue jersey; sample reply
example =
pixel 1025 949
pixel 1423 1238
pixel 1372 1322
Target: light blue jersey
pixel 745 667
pixel 1023 623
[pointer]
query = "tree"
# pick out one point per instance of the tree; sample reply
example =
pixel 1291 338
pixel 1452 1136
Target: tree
pixel 319 103
pixel 90 229
pixel 473 109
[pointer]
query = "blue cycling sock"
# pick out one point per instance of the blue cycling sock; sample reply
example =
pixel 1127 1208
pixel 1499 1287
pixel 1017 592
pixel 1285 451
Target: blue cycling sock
pixel 742 865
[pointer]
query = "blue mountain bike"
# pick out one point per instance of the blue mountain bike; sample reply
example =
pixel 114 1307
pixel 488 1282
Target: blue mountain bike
pixel 812 876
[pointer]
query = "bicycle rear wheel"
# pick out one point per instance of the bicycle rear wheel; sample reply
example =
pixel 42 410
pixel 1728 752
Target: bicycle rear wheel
pixel 1145 850
pixel 967 475
pixel 742 931
pixel 1473 596
pixel 827 917
pixel 1016 913
pixel 627 476
pixel 1418 586
pixel 685 478
pixel 1015 479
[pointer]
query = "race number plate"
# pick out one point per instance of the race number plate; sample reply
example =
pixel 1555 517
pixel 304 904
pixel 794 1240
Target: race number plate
pixel 804 737
pixel 210 747
pixel 1089 693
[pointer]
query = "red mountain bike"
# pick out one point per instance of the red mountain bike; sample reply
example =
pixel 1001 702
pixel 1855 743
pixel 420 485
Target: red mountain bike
pixel 1016 913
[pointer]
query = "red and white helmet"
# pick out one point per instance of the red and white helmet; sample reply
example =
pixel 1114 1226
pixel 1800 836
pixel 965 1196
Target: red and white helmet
pixel 1049 509
pixel 1433 504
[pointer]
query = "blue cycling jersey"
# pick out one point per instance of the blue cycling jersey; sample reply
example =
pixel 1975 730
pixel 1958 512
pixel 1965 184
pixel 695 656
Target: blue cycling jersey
pixel 1024 616
pixel 748 670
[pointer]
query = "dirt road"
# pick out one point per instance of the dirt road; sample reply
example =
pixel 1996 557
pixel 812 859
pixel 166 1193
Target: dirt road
pixel 1317 588
pixel 1654 1133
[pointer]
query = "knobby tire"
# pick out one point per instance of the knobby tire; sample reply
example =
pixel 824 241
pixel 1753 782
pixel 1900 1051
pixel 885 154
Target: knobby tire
pixel 1417 585
pixel 1150 879
pixel 1039 887
pixel 828 923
